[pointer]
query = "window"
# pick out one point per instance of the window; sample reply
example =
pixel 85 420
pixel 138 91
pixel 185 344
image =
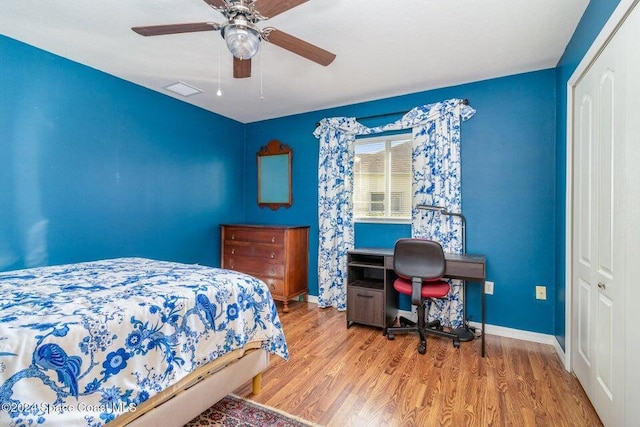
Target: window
pixel 377 202
pixel 397 202
pixel 382 178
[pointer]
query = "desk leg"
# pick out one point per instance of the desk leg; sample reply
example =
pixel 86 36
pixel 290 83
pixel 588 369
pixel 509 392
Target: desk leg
pixel 483 315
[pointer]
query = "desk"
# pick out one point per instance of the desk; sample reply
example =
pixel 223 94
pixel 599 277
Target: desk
pixel 371 298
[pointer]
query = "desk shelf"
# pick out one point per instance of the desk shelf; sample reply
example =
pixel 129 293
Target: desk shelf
pixel 366 265
pixel 368 284
pixel 365 260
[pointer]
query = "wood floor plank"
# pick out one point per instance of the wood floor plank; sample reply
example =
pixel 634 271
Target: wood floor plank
pixel 339 376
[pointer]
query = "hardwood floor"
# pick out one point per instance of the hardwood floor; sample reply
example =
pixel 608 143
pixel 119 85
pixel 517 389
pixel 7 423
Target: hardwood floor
pixel 356 377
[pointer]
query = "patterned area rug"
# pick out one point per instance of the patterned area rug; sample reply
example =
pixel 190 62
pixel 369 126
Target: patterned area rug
pixel 238 412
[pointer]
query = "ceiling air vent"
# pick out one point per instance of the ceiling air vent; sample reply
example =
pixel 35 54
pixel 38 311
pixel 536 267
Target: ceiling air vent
pixel 183 89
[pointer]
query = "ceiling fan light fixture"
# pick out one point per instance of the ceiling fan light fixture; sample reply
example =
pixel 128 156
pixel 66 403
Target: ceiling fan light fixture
pixel 242 38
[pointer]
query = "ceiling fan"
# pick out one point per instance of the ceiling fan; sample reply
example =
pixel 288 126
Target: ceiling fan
pixel 243 36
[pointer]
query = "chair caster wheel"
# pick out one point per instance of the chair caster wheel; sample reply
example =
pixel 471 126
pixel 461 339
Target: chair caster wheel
pixel 422 349
pixel 390 337
pixel 456 344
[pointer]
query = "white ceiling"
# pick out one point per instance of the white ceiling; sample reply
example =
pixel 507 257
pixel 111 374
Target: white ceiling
pixel 384 47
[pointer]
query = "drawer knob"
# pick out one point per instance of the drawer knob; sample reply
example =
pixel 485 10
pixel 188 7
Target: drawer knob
pixel 273 239
pixel 272 271
pixel 602 285
pixel 272 286
pixel 231 264
pixel 233 251
pixel 273 254
pixel 233 237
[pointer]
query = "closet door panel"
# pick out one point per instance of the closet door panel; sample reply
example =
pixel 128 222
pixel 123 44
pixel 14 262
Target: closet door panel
pixel 584 328
pixel 584 184
pixel 604 357
pixel 605 191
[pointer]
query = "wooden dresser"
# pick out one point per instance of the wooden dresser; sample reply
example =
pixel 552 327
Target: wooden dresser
pixel 276 254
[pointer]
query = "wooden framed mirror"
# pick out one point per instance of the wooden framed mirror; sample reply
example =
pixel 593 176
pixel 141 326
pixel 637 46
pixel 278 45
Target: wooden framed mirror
pixel 274 175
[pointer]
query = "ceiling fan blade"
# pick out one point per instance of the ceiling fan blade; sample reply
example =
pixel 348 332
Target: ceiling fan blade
pixel 298 46
pixel 271 8
pixel 159 30
pixel 216 3
pixel 241 68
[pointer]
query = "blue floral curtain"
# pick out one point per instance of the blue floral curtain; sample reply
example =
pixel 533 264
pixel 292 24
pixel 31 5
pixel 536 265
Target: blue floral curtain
pixel 335 209
pixel 335 185
pixel 436 182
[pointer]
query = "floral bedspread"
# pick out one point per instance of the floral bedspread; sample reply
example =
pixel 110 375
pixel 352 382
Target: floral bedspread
pixel 82 343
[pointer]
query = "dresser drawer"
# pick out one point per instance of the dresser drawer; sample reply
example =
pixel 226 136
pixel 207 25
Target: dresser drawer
pixel 254 266
pixel 254 235
pixel 233 249
pixel 276 286
pixel 365 306
pixel 276 254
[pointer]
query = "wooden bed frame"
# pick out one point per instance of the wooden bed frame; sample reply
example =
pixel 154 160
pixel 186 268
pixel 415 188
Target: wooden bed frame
pixel 198 391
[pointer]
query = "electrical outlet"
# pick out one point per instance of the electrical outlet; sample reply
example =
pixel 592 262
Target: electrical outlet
pixel 541 292
pixel 488 287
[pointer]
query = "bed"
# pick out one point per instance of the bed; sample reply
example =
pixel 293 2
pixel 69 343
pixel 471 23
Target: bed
pixel 129 341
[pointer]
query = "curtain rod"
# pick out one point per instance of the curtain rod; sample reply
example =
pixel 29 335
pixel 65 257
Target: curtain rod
pixel 464 102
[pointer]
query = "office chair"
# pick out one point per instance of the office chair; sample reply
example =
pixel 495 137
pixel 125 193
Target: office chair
pixel 420 265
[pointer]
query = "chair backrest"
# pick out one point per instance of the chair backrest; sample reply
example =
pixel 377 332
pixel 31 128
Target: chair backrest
pixel 418 258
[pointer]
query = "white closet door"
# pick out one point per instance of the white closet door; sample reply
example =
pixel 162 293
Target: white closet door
pixel 632 205
pixel 599 230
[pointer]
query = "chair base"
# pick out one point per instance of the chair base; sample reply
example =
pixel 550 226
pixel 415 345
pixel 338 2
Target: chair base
pixel 423 329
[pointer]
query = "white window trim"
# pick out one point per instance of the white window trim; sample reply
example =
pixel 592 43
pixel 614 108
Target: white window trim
pixel 381 220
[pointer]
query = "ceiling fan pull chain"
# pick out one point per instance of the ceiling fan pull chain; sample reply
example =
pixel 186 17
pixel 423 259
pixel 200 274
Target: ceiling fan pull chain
pixel 261 93
pixel 219 92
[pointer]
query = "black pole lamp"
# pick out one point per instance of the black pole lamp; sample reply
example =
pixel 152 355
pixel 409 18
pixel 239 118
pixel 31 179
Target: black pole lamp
pixel 464 332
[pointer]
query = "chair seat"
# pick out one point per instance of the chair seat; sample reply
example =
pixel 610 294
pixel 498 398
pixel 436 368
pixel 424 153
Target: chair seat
pixel 435 289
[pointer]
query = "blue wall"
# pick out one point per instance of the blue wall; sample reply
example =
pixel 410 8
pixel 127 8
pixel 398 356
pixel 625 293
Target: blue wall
pixel 594 18
pixel 508 181
pixel 94 167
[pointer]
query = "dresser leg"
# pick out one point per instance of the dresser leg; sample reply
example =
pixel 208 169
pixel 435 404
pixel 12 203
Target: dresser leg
pixel 285 309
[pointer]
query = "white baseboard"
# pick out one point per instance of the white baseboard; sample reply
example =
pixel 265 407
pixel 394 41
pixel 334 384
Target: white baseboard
pixel 502 331
pixel 526 336
pixel 561 355
pixel 519 334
